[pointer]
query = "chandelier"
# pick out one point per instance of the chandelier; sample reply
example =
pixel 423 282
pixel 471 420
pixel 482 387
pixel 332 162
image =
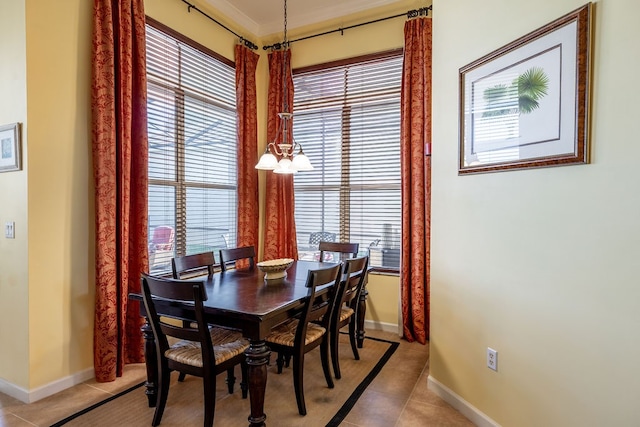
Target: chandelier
pixel 280 154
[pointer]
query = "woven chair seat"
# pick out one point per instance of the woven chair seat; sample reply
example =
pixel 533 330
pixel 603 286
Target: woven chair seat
pixel 204 351
pixel 345 313
pixel 285 334
pixel 226 344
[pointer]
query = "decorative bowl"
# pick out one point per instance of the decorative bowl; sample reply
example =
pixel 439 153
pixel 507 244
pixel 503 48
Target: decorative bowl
pixel 275 268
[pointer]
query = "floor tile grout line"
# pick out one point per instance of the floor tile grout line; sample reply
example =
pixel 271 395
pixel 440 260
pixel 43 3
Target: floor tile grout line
pixel 26 421
pixel 100 389
pixel 406 403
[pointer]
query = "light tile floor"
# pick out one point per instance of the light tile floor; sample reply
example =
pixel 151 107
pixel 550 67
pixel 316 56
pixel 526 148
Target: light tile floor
pixel 397 397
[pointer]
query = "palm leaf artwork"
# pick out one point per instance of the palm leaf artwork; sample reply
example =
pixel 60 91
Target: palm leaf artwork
pixel 532 85
pixel 528 88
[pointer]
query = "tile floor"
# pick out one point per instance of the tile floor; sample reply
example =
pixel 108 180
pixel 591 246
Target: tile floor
pixel 397 397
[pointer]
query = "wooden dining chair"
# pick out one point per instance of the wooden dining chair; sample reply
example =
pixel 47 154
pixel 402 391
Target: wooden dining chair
pixel 202 351
pixel 345 249
pixel 192 264
pixel 228 256
pixel 298 336
pixel 346 306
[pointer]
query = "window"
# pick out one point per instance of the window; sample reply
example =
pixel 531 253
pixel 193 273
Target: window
pixel 192 148
pixel 347 119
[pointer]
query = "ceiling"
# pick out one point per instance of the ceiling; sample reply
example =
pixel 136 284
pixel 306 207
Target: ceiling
pixel 263 17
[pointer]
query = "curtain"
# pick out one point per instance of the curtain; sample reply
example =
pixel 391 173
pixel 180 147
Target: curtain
pixel 119 138
pixel 415 143
pixel 280 226
pixel 246 63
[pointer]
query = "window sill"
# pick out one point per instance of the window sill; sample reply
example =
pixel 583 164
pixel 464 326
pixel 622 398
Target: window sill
pixel 385 271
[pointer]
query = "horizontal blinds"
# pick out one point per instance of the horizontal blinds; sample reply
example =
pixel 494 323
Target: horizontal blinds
pixel 192 150
pixel 347 119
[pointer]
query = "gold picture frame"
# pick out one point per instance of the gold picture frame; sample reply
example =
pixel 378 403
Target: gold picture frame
pixel 10 148
pixel 526 105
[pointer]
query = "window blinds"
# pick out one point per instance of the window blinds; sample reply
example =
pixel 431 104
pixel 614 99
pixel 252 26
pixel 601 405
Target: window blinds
pixel 192 150
pixel 347 119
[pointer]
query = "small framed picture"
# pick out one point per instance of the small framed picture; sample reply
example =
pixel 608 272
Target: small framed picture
pixel 10 146
pixel 526 105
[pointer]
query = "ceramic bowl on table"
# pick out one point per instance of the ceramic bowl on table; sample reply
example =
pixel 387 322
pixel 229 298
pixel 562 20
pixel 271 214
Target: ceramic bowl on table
pixel 276 268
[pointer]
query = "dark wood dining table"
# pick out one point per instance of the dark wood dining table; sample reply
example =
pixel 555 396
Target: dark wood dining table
pixel 242 299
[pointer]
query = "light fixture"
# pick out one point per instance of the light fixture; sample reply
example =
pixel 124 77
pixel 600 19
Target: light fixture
pixel 280 154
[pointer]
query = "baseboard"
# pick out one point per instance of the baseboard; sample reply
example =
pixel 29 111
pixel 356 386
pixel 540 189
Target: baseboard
pixel 381 326
pixel 30 396
pixel 472 413
pixel 14 391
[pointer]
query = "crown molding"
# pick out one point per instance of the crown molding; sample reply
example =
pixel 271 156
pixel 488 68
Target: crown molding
pixel 296 18
pixel 236 15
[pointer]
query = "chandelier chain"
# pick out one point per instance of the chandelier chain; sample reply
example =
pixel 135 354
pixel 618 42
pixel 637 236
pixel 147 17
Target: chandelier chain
pixel 290 162
pixel 285 65
pixel 285 23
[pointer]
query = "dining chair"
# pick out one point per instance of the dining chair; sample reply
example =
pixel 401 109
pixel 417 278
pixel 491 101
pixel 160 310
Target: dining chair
pixel 298 336
pixel 346 306
pixel 349 249
pixel 202 351
pixel 234 254
pixel 192 264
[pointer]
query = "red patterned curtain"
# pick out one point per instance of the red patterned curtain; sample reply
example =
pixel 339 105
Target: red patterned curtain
pixel 415 143
pixel 246 64
pixel 280 226
pixel 119 136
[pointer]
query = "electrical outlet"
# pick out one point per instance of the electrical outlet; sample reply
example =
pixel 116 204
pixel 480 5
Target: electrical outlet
pixel 492 359
pixel 10 230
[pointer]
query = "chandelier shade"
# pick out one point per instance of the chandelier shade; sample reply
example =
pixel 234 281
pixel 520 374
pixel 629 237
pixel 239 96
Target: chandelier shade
pixel 267 162
pixel 281 155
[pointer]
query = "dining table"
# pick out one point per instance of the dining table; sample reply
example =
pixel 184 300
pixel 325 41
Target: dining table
pixel 244 300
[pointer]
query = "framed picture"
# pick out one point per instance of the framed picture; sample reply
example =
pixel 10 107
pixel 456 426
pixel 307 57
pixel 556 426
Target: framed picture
pixel 526 105
pixel 10 147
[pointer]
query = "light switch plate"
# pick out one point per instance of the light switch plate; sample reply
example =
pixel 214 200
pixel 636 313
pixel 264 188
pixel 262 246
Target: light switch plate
pixel 10 230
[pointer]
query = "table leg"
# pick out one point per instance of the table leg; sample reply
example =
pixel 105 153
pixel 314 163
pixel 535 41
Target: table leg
pixel 152 364
pixel 362 309
pixel 257 359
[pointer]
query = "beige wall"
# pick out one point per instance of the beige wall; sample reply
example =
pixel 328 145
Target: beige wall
pixel 47 272
pixel 14 335
pixel 59 191
pixel 539 264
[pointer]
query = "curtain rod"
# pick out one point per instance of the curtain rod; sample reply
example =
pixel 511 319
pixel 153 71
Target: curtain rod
pixel 409 14
pixel 246 42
